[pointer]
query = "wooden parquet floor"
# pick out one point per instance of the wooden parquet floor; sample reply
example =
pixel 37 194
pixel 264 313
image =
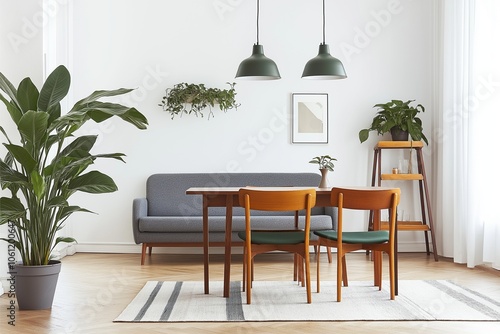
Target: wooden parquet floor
pixel 94 288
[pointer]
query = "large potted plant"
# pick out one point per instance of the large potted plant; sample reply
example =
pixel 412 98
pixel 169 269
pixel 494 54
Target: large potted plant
pixel 45 168
pixel 399 118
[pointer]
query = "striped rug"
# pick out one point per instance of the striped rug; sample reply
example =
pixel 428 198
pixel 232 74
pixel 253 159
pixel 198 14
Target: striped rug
pixel 160 301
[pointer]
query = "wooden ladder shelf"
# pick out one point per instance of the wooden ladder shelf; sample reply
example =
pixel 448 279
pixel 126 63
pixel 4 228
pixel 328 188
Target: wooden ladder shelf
pixel 427 224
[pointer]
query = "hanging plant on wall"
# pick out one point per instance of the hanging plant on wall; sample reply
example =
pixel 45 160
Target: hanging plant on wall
pixel 195 98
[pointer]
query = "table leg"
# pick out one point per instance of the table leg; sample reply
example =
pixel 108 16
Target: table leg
pixel 205 244
pixel 227 251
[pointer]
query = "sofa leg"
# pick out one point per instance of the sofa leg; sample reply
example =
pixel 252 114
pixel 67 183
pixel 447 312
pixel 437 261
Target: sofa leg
pixel 150 250
pixel 143 254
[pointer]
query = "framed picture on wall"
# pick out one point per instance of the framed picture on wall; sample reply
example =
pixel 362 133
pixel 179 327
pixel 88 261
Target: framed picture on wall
pixel 310 118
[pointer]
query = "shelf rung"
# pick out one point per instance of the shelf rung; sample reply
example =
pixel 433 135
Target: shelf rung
pixel 404 177
pixel 406 225
pixel 399 144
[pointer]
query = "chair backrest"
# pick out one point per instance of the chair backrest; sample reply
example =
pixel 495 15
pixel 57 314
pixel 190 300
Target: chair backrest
pixel 277 198
pixel 367 198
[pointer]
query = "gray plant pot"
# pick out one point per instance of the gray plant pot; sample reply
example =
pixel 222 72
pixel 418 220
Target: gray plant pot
pixel 36 285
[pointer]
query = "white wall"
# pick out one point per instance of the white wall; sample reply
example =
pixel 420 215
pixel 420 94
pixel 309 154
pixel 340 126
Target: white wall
pixel 386 47
pixel 20 57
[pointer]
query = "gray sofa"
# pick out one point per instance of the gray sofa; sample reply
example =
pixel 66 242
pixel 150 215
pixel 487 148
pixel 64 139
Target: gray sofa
pixel 167 217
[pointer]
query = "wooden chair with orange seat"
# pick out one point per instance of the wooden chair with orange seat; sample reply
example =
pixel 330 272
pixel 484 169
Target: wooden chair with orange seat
pixel 370 199
pixel 263 241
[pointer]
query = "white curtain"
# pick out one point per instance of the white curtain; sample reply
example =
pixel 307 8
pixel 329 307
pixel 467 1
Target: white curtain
pixel 468 183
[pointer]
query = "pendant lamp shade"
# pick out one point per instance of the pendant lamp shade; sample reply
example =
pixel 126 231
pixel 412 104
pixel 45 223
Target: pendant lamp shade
pixel 258 66
pixel 324 66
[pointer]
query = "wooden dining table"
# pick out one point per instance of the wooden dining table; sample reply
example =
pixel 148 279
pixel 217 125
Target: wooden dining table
pixel 228 197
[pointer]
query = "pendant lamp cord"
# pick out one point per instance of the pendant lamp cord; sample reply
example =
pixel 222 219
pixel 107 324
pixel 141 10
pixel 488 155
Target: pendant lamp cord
pixel 258 6
pixel 323 22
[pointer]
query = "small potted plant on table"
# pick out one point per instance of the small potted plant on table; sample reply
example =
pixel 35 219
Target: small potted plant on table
pixel 325 163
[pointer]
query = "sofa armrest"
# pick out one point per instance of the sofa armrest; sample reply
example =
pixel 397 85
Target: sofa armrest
pixel 139 209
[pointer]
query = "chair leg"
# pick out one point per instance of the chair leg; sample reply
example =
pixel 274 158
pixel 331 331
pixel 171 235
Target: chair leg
pixel 317 269
pixel 244 280
pixel 308 277
pixel 301 270
pixel 340 257
pixel 253 271
pixel 377 269
pixel 392 276
pixel 249 272
pixel 344 272
pixel 295 268
pixel 329 252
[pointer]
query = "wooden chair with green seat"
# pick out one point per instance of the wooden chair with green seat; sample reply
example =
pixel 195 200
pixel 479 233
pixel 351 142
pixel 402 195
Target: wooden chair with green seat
pixel 263 241
pixel 372 199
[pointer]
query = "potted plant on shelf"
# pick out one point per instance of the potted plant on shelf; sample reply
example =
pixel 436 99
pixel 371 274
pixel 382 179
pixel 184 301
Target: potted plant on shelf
pixel 194 98
pixel 325 163
pixel 399 118
pixel 44 169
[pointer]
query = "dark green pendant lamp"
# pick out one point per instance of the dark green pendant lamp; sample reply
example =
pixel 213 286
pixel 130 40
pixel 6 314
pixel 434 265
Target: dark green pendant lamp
pixel 324 66
pixel 258 66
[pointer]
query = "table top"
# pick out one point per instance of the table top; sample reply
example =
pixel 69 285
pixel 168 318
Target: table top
pixel 234 190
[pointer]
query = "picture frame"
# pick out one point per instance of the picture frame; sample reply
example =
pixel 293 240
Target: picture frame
pixel 310 118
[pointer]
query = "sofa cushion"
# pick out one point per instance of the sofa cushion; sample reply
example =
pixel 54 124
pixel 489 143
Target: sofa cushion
pixel 218 223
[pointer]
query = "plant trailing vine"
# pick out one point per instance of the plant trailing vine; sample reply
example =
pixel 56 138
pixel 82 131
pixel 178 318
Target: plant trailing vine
pixel 194 98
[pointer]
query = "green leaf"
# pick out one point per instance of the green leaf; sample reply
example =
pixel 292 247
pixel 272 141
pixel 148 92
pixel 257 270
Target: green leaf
pixel 102 93
pixel 11 209
pixel 9 89
pixel 55 88
pixel 133 116
pixel 101 111
pixel 82 143
pixel 117 156
pixel 363 135
pixel 9 175
pixel 93 182
pixel 27 95
pixel 64 239
pixel 5 134
pixel 38 184
pixel 15 112
pixel 72 209
pixel 54 112
pixel 22 156
pixel 33 127
pixel 57 201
